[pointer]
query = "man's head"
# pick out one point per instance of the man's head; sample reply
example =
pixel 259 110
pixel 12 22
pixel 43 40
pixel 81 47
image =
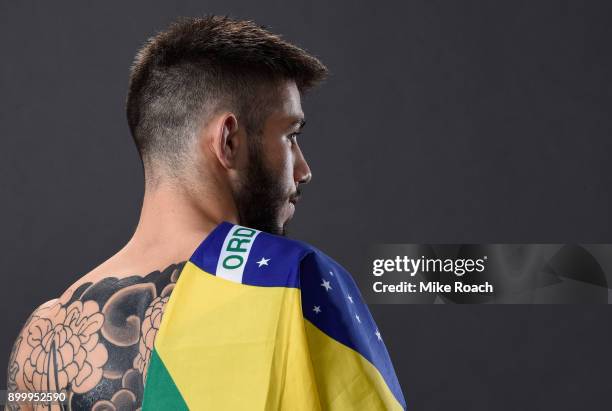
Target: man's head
pixel 216 102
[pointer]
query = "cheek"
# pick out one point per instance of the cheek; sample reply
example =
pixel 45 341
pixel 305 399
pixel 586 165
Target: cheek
pixel 282 163
pixel 288 166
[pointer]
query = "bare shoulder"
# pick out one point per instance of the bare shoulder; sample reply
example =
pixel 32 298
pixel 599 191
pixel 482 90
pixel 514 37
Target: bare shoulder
pixel 94 341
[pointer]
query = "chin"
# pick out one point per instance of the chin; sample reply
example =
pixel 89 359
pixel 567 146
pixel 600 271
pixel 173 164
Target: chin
pixel 273 220
pixel 277 227
pixel 283 229
pixel 285 224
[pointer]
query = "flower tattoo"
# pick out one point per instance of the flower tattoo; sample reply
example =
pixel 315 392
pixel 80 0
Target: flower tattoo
pixel 94 342
pixel 65 348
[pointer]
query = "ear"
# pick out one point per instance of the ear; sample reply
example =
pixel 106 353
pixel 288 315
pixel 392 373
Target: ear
pixel 226 140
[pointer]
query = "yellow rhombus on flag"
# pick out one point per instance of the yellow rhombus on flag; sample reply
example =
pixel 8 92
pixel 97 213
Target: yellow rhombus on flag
pixel 261 322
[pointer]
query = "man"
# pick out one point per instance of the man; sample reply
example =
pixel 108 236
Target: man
pixel 214 109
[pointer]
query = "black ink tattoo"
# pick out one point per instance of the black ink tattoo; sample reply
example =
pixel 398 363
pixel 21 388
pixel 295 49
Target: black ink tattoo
pixel 96 345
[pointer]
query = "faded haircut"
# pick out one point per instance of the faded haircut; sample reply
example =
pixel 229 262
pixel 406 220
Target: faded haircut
pixel 199 66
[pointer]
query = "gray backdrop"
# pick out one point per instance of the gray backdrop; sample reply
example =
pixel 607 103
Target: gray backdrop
pixel 473 121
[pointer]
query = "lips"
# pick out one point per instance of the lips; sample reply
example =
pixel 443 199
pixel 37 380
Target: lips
pixel 295 196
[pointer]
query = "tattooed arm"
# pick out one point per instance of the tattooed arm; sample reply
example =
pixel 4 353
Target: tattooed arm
pixel 16 362
pixel 94 343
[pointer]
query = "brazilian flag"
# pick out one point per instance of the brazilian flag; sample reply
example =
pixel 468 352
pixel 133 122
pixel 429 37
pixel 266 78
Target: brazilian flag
pixel 262 322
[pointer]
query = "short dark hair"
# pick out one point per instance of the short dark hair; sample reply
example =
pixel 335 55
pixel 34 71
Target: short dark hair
pixel 201 65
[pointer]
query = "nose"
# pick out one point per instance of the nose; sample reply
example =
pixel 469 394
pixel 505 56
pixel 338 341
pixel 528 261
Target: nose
pixel 302 173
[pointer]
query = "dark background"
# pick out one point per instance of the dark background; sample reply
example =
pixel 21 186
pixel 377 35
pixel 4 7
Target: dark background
pixel 441 122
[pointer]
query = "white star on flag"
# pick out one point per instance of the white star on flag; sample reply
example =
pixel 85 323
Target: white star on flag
pixel 326 285
pixel 317 309
pixel 263 261
pixel 378 335
pixel 358 320
pixel 350 298
pixel 331 273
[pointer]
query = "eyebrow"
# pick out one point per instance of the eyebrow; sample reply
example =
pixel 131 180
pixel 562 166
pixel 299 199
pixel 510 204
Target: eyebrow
pixel 299 123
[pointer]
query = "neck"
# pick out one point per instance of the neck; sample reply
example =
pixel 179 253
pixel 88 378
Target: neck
pixel 174 221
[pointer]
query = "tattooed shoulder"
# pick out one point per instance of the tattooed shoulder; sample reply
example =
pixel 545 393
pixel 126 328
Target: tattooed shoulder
pixel 95 343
